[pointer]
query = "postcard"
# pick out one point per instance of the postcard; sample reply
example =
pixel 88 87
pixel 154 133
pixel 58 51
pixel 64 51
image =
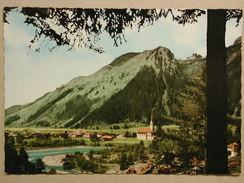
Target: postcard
pixel 122 92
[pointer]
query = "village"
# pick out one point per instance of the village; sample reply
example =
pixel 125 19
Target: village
pixel 112 140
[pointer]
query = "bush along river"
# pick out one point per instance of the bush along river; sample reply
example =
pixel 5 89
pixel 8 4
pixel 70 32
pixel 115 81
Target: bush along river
pixel 40 154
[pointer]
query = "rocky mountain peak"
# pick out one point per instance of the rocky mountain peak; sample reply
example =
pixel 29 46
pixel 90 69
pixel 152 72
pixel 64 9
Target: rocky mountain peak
pixel 159 55
pixel 163 52
pixel 128 87
pixel 123 58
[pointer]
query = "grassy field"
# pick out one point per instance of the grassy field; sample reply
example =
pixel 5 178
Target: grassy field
pixel 125 141
pixel 57 130
pixel 103 129
pixel 114 142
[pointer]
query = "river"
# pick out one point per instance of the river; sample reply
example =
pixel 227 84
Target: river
pixel 40 154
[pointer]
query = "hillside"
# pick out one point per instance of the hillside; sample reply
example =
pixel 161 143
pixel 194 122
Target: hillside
pixel 125 90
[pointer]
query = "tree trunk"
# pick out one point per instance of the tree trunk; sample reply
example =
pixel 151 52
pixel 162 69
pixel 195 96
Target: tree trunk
pixel 216 137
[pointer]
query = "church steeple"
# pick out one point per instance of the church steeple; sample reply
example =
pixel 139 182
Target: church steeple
pixel 151 122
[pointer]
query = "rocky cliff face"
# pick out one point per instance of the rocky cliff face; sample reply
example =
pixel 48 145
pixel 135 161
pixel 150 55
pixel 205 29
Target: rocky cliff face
pixel 127 89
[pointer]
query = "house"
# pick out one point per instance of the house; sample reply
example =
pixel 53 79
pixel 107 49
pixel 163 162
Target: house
pixel 75 134
pixel 194 56
pixel 86 134
pixel 146 133
pixel 120 136
pixel 233 148
pixel 107 137
pixel 60 134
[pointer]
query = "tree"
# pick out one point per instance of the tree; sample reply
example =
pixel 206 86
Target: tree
pixel 11 156
pixel 141 151
pixel 88 165
pixel 216 90
pixel 23 156
pixel 52 171
pixel 20 138
pixel 191 107
pixel 125 126
pixel 65 135
pixel 123 162
pixel 68 165
pixel 216 93
pixel 159 131
pixel 94 138
pixel 130 159
pixel 25 165
pixel 82 28
pixel 127 134
pixel 40 166
pixel 68 162
pixel 17 162
pixel 91 155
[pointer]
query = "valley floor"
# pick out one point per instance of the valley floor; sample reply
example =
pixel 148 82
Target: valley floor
pixel 55 150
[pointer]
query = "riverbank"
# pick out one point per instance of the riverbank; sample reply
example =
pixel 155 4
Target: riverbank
pixel 52 157
pixel 42 153
pixel 55 148
pixel 55 160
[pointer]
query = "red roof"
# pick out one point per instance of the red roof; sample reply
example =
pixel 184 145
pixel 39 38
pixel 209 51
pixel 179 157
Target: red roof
pixel 87 133
pixel 106 137
pixel 75 133
pixel 145 130
pixel 232 144
pixel 82 131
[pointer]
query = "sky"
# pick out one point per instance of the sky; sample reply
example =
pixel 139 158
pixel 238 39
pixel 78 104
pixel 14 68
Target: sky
pixel 29 74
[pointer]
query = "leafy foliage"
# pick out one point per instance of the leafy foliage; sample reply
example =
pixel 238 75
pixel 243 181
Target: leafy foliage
pixel 86 25
pixel 125 161
pixel 233 130
pixel 78 161
pixel 83 27
pixel 17 162
pixel 189 140
pixel 192 107
pixel 94 138
pixel 43 123
pixel 234 79
pixel 55 142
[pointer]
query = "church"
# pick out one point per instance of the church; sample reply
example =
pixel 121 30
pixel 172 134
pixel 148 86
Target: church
pixel 146 133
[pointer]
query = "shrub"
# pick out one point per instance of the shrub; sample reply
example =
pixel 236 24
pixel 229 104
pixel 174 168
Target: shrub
pixel 42 123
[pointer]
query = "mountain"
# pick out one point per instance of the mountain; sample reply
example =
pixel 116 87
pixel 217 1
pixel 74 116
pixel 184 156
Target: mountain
pixel 128 89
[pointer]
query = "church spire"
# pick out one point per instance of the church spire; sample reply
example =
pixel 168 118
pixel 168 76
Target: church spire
pixel 151 122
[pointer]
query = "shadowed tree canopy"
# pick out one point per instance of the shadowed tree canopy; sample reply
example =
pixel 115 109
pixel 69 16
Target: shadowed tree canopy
pixel 16 161
pixel 76 28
